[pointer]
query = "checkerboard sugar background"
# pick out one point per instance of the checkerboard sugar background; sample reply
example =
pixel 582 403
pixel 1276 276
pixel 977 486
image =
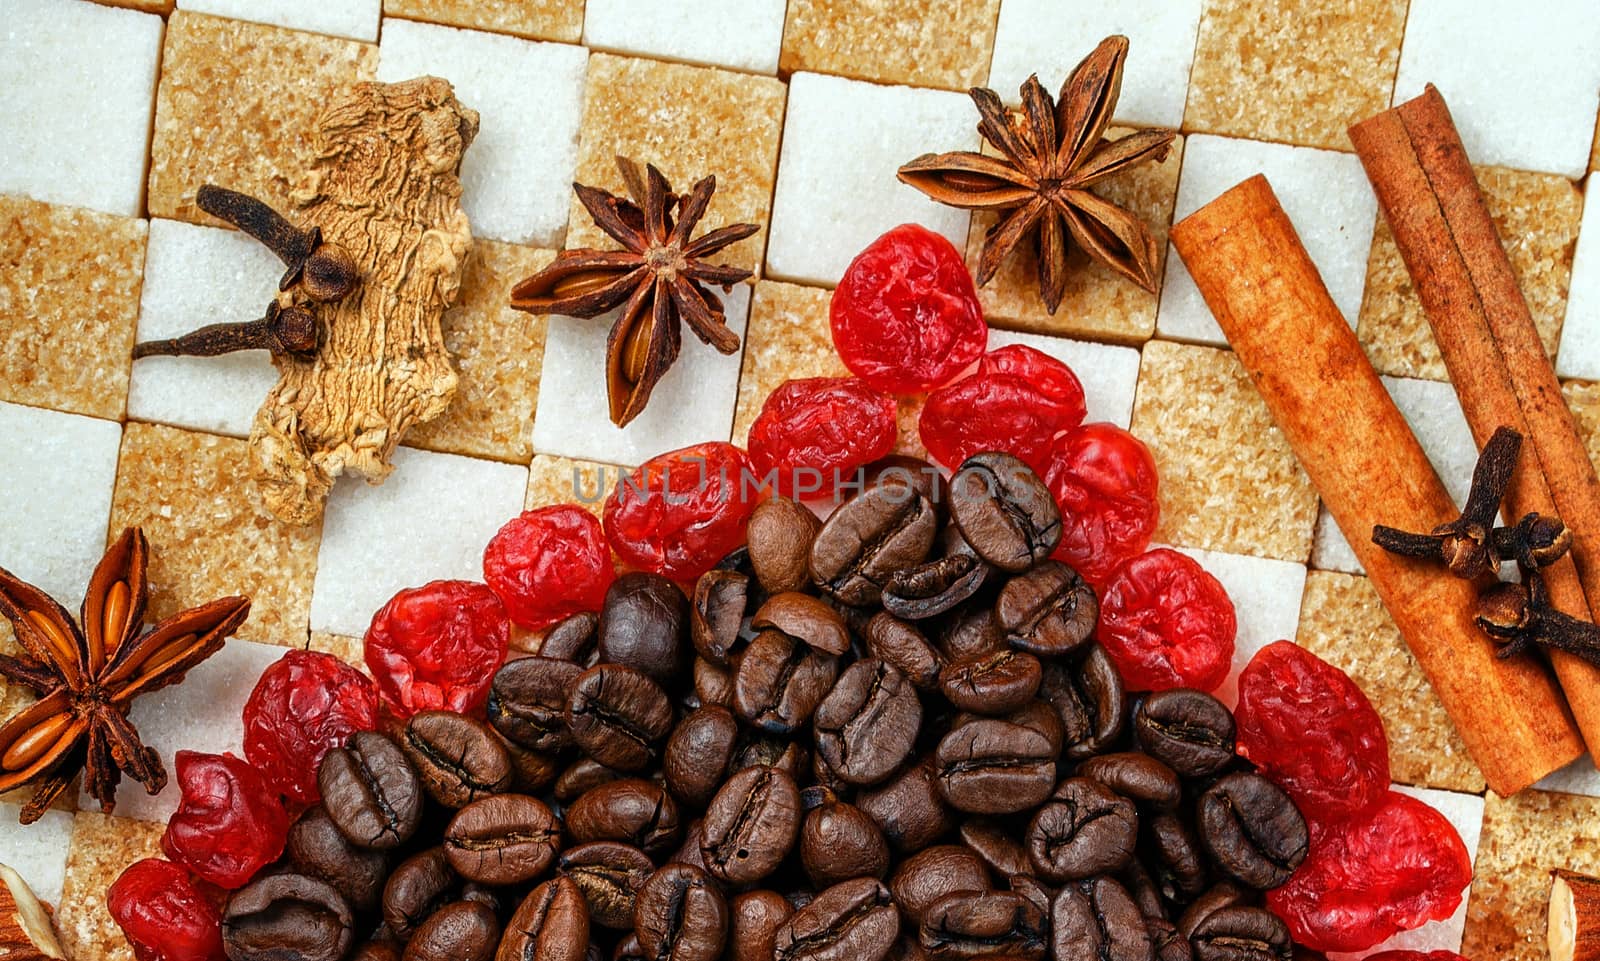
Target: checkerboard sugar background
pixel 114 114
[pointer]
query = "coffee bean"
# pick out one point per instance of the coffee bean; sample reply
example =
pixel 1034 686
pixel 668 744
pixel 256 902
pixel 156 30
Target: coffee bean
pixel 1084 830
pixel 759 749
pixel 1004 511
pixel 618 716
pixel 287 916
pixel 932 873
pixel 1166 944
pixel 551 924
pixel 751 825
pixel 504 839
pixel 970 924
pixel 573 639
pixel 933 587
pixel 463 931
pixel 1190 731
pixel 717 613
pixel 380 948
pixel 1252 830
pixel 839 842
pixel 1224 894
pixel 528 702
pixel 681 915
pixel 1090 700
pixel 995 683
pixel 781 681
pixel 457 758
pixel 1096 920
pixel 1138 777
pixel 1242 934
pixel 868 538
pixel 896 642
pixel 852 921
pixel 909 808
pixel 629 949
pixel 713 684
pixel 609 874
pixel 1035 890
pixel 755 917
pixel 1049 610
pixel 1175 859
pixel 868 724
pixel 1040 717
pixel 991 766
pixel 902 472
pixel 804 618
pixel 689 851
pixel 419 886
pixel 632 810
pixel 974 632
pixel 582 775
pixel 371 791
pixel 317 847
pixel 779 537
pixel 1001 853
pixel 699 754
pixel 643 625
pixel 532 772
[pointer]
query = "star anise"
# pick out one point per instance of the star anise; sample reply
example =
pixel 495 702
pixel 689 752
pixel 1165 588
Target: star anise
pixel 659 276
pixel 1050 155
pixel 87 677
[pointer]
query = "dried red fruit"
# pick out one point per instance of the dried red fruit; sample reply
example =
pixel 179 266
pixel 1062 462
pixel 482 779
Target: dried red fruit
pixel 1167 623
pixel 303 705
pixel 1105 482
pixel 813 433
pixel 1368 879
pixel 1017 401
pixel 1310 730
pixel 680 512
pixel 163 914
pixel 905 315
pixel 229 823
pixel 549 564
pixel 436 647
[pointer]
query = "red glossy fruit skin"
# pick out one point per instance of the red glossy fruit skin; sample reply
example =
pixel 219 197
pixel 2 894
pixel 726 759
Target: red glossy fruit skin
pixel 679 513
pixel 1017 401
pixel 548 564
pixel 815 432
pixel 1167 623
pixel 436 647
pixel 163 915
pixel 303 705
pixel 1368 879
pixel 1416 956
pixel 229 823
pixel 905 315
pixel 1311 731
pixel 1105 482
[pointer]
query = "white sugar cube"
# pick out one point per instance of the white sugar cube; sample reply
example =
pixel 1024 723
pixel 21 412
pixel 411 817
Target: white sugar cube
pixel 37 852
pixel 742 34
pixel 1579 355
pixel 1266 604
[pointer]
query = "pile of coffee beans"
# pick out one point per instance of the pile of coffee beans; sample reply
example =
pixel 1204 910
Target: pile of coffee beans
pixel 886 735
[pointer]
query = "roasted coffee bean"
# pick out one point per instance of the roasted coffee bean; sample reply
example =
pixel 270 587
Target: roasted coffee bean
pixel 528 702
pixel 371 791
pixel 1224 894
pixel 868 724
pixel 609 874
pixel 618 716
pixel 839 842
pixel 893 641
pixel 1004 511
pixel 970 924
pixel 532 772
pixel 903 472
pixel 573 639
pixel 868 538
pixel 804 618
pixel 457 758
pixel 1242 934
pixel 482 894
pixel 1138 777
pixel 909 808
pixel 1190 731
pixel 1090 700
pixel 935 586
pixel 932 873
pixel 1084 830
pixel 974 633
pixel 287 916
pixel 420 885
pixel 1001 853
pixel 991 766
pixel 628 949
pixel 757 749
pixel 681 915
pixel 1252 830
pixel 717 613
pixel 995 683
pixel 699 754
pixel 317 847
pixel 781 681
pixel 755 917
pixel 380 948
pixel 644 625
pixel 1096 920
pixel 751 825
pixel 583 775
pixel 632 810
pixel 1050 610
pixel 1036 891
pixel 463 931
pixel 713 684
pixel 779 538
pixel 689 851
pixel 1174 859
pixel 551 924
pixel 1041 717
pixel 504 839
pixel 1166 944
pixel 852 921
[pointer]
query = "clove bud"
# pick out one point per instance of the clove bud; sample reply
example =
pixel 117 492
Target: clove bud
pixel 325 271
pixel 284 330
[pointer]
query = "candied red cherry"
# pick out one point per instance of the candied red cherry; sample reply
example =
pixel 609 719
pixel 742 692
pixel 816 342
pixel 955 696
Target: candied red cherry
pixel 1018 400
pixel 813 433
pixel 436 647
pixel 682 511
pixel 905 316
pixel 1368 879
pixel 229 823
pixel 548 564
pixel 163 914
pixel 304 704
pixel 1310 730
pixel 1167 623
pixel 1104 480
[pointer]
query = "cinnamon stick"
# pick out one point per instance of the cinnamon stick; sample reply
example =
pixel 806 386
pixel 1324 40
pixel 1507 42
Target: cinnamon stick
pixel 1261 285
pixel 1430 196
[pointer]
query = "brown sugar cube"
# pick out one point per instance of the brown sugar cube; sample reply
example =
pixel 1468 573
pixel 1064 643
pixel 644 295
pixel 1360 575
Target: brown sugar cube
pixel 1583 399
pixel 498 354
pixel 351 650
pixel 1524 838
pixel 102 846
pixel 534 19
pixel 927 43
pixel 69 303
pixel 1294 71
pixel 1229 481
pixel 162 7
pixel 192 495
pixel 691 122
pixel 1537 217
pixel 553 479
pixel 236 106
